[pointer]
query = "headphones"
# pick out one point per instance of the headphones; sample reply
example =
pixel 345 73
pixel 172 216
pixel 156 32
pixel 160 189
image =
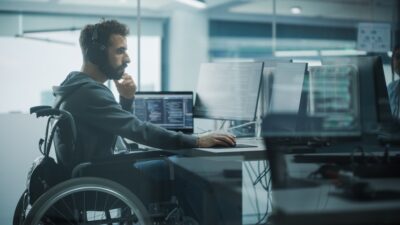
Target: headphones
pixel 96 51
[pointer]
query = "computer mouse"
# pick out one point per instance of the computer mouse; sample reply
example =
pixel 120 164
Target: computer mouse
pixel 360 191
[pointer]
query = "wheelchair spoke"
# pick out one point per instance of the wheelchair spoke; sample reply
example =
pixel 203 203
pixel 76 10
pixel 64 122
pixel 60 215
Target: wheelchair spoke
pixel 48 220
pixel 113 204
pixel 62 214
pixel 84 206
pixel 69 209
pixel 105 203
pixel 95 203
pixel 88 201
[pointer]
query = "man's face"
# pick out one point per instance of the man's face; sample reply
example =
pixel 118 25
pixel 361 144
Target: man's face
pixel 396 61
pixel 118 58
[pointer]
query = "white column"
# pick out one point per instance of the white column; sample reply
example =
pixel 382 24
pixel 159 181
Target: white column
pixel 188 48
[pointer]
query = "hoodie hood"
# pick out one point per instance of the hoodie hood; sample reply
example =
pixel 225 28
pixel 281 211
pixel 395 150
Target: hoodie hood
pixel 73 81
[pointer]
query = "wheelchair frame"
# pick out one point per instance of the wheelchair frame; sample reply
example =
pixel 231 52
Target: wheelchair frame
pixel 87 199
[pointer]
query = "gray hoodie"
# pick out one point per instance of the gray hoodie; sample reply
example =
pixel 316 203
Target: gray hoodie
pixel 99 119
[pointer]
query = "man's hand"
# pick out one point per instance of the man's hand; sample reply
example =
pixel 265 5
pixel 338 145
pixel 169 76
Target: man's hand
pixel 126 86
pixel 216 138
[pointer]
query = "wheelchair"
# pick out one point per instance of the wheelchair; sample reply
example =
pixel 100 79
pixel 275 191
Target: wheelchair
pixel 85 195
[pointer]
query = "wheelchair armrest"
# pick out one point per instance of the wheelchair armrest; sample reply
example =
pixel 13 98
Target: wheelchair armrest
pixel 117 161
pixel 77 170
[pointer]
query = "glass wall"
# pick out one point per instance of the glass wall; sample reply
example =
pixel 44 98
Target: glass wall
pixel 169 41
pixel 176 37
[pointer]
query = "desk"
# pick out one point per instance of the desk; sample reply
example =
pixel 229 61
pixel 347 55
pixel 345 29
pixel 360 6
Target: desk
pixel 237 190
pixel 328 204
pixel 256 152
pixel 234 197
pixel 225 186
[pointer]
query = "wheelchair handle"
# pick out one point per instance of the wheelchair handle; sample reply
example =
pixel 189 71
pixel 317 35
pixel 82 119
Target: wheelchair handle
pixel 47 112
pixel 37 108
pixel 71 122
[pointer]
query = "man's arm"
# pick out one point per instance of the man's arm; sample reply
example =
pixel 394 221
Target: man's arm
pixel 126 87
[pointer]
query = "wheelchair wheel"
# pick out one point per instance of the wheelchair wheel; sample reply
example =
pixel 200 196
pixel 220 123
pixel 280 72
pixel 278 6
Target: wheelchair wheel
pixel 20 209
pixel 88 200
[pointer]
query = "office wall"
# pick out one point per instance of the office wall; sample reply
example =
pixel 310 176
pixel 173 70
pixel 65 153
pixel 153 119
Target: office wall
pixel 32 66
pixel 19 136
pixel 14 23
pixel 188 48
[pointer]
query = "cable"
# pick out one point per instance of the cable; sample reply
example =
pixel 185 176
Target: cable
pixel 260 176
pixel 358 148
pixel 255 192
pixel 261 220
pixel 222 124
pixel 242 125
pixel 203 130
pixel 46 134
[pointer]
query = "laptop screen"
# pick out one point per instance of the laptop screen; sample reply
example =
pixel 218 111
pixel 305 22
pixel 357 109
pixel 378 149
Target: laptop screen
pixel 170 110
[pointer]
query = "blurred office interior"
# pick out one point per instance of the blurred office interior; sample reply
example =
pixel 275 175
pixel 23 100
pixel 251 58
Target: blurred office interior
pixel 168 41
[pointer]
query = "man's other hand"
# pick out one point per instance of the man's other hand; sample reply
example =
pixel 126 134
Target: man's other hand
pixel 126 86
pixel 216 138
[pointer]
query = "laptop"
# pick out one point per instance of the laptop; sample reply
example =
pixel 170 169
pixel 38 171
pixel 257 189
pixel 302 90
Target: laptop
pixel 169 109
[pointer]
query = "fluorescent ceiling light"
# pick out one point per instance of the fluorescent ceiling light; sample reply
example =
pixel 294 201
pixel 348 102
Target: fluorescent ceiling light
pixel 342 52
pixel 295 10
pixel 91 2
pixel 194 3
pixel 296 53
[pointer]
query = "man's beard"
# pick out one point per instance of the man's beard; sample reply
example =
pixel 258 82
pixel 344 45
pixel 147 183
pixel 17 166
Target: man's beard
pixel 112 73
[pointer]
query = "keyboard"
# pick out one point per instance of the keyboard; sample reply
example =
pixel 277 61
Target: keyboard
pixel 236 146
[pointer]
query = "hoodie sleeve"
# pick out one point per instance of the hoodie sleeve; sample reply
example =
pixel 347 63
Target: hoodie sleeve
pixel 126 104
pixel 97 107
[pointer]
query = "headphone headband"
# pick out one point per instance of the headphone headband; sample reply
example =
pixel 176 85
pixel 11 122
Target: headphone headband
pixel 96 50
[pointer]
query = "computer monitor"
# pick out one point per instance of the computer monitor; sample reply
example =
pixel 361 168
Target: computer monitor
pixel 269 71
pixel 171 110
pixel 286 88
pixel 228 91
pixel 321 103
pixel 374 100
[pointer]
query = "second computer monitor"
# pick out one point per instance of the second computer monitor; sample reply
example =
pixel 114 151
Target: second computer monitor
pixel 374 101
pixel 228 90
pixel 171 110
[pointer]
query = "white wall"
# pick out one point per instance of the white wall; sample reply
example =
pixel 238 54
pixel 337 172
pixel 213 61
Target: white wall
pixel 188 48
pixel 19 137
pixel 29 68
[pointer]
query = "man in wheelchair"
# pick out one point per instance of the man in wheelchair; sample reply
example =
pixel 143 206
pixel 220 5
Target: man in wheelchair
pixel 100 119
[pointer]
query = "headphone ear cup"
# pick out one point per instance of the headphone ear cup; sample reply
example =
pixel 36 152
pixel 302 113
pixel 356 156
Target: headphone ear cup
pixel 96 53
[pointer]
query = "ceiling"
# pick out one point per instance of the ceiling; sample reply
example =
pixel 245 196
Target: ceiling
pixel 357 10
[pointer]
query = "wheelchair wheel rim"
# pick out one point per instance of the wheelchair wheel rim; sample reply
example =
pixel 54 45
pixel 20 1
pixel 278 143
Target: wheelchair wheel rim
pixel 56 197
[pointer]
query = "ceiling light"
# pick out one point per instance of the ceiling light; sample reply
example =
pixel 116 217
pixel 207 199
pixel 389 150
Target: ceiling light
pixel 200 4
pixel 295 10
pixel 340 52
pixel 296 53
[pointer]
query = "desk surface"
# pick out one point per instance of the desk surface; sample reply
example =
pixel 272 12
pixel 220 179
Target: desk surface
pixel 253 152
pixel 237 182
pixel 322 204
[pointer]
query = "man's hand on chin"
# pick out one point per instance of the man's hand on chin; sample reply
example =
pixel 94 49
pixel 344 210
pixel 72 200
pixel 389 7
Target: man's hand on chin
pixel 126 86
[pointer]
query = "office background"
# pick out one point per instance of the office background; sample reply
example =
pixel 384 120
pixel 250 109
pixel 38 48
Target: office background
pixel 39 46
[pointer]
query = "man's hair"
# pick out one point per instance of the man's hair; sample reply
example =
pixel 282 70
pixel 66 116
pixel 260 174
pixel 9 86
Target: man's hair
pixel 103 30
